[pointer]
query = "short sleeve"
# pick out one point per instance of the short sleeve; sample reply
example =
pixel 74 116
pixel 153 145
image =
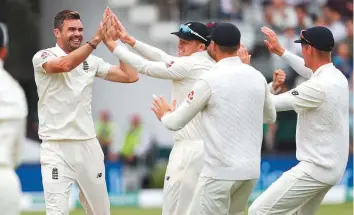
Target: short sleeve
pixel 103 68
pixel 41 58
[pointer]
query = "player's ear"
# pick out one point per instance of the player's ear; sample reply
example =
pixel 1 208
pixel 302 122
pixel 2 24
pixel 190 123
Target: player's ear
pixel 3 52
pixel 56 32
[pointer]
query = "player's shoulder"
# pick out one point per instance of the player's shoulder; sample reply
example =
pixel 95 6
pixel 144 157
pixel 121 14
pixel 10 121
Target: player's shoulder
pixel 44 53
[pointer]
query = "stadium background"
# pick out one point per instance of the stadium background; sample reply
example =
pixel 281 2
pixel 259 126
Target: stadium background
pixel 136 187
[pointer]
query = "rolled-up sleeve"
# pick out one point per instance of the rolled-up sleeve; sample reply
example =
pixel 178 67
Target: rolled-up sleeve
pixel 196 100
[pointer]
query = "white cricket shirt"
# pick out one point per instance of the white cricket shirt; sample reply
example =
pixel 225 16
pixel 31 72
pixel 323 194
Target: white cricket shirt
pixel 64 106
pixel 13 103
pixel 234 101
pixel 322 134
pixel 13 109
pixel 183 71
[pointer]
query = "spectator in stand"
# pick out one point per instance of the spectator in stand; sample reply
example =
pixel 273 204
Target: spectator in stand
pixel 333 20
pixel 342 60
pixel 303 18
pixel 283 16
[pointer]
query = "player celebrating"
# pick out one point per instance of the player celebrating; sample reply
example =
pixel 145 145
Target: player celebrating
pixel 185 160
pixel 70 152
pixel 234 101
pixel 13 113
pixel 322 135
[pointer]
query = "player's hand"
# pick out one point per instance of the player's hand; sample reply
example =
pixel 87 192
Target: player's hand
pixel 279 77
pixel 242 52
pixel 110 33
pixel 123 33
pixel 101 28
pixel 272 41
pixel 161 107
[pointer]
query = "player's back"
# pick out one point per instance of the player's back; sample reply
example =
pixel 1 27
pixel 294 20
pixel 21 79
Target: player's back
pixel 197 64
pixel 64 106
pixel 233 121
pixel 323 132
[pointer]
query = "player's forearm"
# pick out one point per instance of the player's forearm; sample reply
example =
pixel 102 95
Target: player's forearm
pixel 143 66
pixel 194 103
pixel 151 53
pixel 282 102
pixel 272 90
pixel 131 73
pixel 298 64
pixel 72 60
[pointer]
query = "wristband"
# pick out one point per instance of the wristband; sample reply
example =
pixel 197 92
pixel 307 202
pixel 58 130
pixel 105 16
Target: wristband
pixel 93 46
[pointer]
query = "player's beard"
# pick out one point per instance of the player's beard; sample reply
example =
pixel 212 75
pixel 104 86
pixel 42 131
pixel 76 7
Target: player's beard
pixel 74 42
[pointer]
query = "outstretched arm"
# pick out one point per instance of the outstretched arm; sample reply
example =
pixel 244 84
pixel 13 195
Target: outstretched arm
pixel 296 62
pixel 147 51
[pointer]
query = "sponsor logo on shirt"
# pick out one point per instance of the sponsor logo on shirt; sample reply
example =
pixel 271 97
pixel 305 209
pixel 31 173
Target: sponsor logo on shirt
pixel 44 55
pixel 190 95
pixel 85 66
pixel 295 93
pixel 170 64
pixel 55 174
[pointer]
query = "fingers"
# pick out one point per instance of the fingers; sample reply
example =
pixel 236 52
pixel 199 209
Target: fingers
pixel 267 43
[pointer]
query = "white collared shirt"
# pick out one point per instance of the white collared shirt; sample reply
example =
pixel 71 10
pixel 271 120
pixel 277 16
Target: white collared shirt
pixel 64 106
pixel 234 102
pixel 13 103
pixel 182 71
pixel 322 134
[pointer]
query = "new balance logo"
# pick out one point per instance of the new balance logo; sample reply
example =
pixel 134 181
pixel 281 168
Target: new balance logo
pixel 85 66
pixel 55 174
pixel 99 175
pixel 295 93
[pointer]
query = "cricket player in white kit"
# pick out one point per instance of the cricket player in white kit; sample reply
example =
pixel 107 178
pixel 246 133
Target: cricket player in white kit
pixel 322 135
pixel 13 113
pixel 234 102
pixel 70 152
pixel 185 161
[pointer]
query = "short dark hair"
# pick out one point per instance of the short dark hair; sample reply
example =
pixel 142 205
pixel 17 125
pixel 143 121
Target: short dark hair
pixel 228 50
pixel 64 15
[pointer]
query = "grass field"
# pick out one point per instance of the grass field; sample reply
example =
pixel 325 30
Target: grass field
pixel 344 209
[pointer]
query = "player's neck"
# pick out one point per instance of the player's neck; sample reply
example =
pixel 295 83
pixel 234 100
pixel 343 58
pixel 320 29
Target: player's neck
pixel 221 56
pixel 319 63
pixel 60 44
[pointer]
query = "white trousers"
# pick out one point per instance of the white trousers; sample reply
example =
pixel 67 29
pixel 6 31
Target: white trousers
pixel 64 163
pixel 221 197
pixel 183 170
pixel 294 193
pixel 10 192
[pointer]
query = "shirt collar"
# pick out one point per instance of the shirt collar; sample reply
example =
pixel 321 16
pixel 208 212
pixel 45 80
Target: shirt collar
pixel 59 51
pixel 325 66
pixel 235 59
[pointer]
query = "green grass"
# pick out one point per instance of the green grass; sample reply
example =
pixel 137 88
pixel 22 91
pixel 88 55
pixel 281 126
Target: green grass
pixel 343 209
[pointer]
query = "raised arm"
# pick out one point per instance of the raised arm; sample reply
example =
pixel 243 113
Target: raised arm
pixel 147 51
pixel 296 62
pixel 195 102
pixel 48 62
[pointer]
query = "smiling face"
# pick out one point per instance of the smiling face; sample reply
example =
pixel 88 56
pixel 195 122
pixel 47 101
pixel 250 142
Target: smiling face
pixel 188 47
pixel 68 30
